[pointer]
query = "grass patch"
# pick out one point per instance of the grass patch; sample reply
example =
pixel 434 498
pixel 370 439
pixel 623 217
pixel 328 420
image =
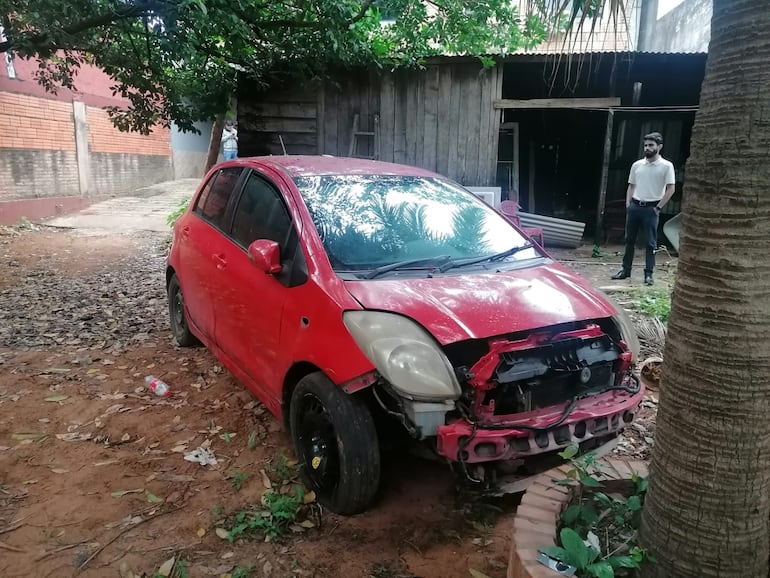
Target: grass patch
pixel 654 303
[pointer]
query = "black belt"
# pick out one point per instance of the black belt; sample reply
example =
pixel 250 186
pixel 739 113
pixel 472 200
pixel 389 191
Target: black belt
pixel 644 203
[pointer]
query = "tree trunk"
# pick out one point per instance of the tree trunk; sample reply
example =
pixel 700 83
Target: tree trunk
pixel 215 142
pixel 708 505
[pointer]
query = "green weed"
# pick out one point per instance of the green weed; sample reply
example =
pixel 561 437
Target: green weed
pixel 654 303
pixel 593 514
pixel 178 212
pixel 271 520
pixel 283 468
pixel 237 477
pixel 242 571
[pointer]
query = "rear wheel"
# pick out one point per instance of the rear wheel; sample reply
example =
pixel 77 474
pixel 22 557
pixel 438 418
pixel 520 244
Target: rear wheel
pixel 179 327
pixel 336 442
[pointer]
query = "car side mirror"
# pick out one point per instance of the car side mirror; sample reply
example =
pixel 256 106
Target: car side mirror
pixel 266 255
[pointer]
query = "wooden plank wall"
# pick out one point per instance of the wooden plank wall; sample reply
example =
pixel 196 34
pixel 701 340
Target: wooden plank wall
pixel 354 92
pixel 442 118
pixel 288 112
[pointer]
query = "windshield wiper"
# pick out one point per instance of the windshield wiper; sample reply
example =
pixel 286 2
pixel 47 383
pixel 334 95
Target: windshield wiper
pixel 496 257
pixel 440 260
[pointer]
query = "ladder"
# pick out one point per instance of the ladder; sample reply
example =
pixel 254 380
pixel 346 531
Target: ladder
pixel 356 133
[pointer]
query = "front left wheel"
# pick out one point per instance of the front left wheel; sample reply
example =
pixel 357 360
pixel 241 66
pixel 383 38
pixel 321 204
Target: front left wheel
pixel 178 317
pixel 336 443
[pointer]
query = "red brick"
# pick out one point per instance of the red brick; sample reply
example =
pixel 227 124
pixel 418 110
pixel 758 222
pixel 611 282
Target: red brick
pixel 533 539
pixel 526 525
pixel 546 503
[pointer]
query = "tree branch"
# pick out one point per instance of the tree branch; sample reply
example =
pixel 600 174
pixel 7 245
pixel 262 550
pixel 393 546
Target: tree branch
pixel 42 40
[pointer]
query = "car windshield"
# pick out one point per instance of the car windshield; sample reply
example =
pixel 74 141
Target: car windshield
pixel 368 222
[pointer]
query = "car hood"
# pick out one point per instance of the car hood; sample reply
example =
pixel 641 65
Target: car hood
pixel 458 307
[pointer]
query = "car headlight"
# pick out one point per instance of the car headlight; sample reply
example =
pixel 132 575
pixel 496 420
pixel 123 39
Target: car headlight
pixel 405 354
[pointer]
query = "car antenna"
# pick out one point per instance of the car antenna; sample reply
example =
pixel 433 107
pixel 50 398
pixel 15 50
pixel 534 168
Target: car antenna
pixel 280 138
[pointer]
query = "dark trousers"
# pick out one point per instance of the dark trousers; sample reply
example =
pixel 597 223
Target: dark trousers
pixel 641 219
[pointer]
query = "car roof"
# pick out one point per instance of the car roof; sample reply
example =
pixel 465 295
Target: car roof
pixel 307 165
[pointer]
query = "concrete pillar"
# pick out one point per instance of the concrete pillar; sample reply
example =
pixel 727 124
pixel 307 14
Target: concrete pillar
pixel 647 22
pixel 79 115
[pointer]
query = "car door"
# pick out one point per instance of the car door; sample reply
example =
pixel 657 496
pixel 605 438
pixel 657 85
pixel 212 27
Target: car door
pixel 201 239
pixel 249 314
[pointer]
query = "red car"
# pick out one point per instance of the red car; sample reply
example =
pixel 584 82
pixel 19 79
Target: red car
pixel 350 295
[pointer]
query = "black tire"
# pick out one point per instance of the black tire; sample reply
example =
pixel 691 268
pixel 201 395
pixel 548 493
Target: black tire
pixel 336 444
pixel 177 315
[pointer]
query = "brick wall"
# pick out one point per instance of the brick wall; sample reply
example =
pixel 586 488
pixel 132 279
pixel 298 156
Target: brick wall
pixel 38 158
pixel 27 122
pixel 103 137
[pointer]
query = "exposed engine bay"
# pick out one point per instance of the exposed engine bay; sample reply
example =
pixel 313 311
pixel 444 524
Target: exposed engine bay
pixel 528 395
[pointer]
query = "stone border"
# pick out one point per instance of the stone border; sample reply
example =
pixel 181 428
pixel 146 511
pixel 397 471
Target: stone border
pixel 534 524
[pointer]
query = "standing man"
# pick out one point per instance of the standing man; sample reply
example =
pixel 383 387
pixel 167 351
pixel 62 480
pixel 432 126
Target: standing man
pixel 650 187
pixel 230 141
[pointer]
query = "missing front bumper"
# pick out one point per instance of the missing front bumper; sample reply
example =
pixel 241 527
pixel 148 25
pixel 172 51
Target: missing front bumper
pixel 597 416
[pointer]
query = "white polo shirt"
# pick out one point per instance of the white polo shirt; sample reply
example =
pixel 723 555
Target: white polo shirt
pixel 651 178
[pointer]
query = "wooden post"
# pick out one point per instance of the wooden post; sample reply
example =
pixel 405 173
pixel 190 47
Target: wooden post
pixel 605 176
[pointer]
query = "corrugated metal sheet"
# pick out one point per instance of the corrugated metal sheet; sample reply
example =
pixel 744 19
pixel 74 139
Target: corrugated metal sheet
pixel 556 232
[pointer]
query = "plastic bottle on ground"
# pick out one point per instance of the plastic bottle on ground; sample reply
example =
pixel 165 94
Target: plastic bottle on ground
pixel 157 386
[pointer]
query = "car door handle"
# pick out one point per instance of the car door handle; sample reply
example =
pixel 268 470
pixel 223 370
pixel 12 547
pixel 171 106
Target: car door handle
pixel 220 261
pixel 186 231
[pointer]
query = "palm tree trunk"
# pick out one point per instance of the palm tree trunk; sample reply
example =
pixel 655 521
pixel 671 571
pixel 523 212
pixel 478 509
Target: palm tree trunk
pixel 708 505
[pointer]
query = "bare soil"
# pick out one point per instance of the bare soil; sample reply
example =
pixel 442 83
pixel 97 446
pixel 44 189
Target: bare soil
pixel 82 321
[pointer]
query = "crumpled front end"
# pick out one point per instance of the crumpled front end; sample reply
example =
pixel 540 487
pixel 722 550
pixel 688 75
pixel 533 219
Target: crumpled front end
pixel 529 395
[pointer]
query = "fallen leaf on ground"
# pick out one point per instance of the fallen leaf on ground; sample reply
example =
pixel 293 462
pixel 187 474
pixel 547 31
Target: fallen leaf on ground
pixel 477 574
pixel 152 497
pixel 74 437
pixel 167 567
pixel 28 435
pixel 266 480
pixel 309 497
pixel 201 532
pixel 222 533
pixel 176 478
pixel 59 471
pixel 56 398
pixel 121 493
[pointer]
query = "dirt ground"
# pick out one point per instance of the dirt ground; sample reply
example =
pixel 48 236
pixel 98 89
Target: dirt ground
pixel 93 480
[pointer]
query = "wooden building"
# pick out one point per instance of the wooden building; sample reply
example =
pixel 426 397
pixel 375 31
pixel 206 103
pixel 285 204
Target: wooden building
pixel 535 125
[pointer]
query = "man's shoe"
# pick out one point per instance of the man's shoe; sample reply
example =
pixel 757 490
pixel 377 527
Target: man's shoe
pixel 622 274
pixel 648 279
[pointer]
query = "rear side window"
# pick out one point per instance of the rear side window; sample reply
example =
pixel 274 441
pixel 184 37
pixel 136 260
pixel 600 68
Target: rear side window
pixel 212 203
pixel 260 214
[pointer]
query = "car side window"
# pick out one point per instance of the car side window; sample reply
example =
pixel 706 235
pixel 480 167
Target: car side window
pixel 261 214
pixel 212 203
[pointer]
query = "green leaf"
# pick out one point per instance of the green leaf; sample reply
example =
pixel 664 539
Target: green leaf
pixel 601 570
pixel 622 562
pixel 589 481
pixel 634 503
pixel 578 551
pixel 603 499
pixel 570 451
pixel 557 553
pixel 571 514
pixel 252 440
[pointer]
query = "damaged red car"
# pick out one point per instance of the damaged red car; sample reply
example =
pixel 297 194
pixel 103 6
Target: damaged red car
pixel 351 296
